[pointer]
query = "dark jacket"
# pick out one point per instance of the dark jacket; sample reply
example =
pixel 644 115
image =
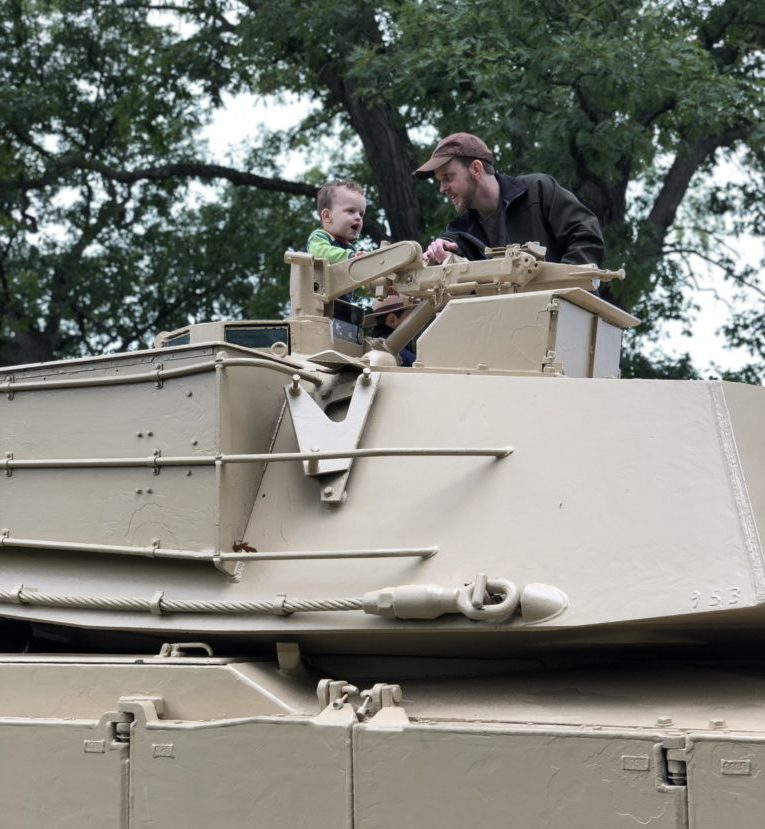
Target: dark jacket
pixel 406 355
pixel 537 209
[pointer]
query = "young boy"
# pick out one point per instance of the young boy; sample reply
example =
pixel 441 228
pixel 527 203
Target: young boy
pixel 341 207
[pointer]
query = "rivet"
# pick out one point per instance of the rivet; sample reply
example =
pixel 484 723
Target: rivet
pixel 328 490
pixel 150 434
pixel 718 724
pixel 149 491
pixel 194 441
pixel 139 434
pixel 189 393
pixel 664 721
pixel 188 473
pixel 139 492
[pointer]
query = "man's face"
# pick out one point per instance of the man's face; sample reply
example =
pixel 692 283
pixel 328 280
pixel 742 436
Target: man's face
pixel 458 183
pixel 345 218
pixel 393 318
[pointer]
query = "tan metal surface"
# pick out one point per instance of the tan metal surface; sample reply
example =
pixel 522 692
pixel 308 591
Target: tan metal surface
pixel 505 559
pixel 197 741
pixel 532 333
pixel 512 518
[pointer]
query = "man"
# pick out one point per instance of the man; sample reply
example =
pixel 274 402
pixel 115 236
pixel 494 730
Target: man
pixel 496 210
pixel 387 314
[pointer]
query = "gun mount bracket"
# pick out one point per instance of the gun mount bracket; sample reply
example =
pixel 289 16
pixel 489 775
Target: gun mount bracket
pixel 315 432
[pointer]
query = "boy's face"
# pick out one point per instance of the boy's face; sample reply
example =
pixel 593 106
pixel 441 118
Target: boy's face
pixel 345 218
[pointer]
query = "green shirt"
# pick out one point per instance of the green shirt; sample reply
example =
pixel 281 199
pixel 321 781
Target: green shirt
pixel 322 245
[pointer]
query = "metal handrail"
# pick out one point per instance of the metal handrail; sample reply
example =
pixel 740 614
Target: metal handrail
pixel 155 551
pixel 157 460
pixel 302 555
pixel 157 375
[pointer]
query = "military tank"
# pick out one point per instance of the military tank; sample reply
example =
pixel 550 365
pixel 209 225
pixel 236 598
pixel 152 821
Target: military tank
pixel 261 575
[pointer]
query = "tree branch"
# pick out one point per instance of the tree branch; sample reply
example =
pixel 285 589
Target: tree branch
pixel 187 169
pixel 686 162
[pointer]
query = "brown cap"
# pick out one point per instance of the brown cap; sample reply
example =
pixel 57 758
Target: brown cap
pixel 383 307
pixel 461 144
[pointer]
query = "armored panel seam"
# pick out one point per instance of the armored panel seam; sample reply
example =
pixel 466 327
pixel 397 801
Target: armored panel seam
pixel 739 490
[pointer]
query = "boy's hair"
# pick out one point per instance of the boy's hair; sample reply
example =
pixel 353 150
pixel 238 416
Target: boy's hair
pixel 327 193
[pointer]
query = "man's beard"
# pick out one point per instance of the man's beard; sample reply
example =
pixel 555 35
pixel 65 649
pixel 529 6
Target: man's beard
pixel 466 201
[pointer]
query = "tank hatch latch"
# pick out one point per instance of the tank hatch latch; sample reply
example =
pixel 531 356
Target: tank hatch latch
pixel 334 692
pixel 674 756
pixel 116 727
pixel 380 695
pixel 381 702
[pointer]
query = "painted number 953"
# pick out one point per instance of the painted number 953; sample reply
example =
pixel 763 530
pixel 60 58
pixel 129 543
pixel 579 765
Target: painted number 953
pixel 716 598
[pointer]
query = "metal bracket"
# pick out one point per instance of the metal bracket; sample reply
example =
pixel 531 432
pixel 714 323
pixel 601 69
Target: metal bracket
pixel 316 432
pixel 379 696
pixel 334 692
pixel 174 649
pixel 670 758
pixel 290 659
pixel 115 726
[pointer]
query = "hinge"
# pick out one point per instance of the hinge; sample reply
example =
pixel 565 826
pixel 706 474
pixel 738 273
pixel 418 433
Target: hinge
pixel 549 364
pixel 381 703
pixel 674 754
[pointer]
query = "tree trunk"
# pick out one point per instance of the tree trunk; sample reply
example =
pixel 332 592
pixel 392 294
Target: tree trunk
pixel 389 152
pixel 26 347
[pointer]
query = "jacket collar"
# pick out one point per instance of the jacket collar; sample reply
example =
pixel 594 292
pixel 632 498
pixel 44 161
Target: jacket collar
pixel 510 189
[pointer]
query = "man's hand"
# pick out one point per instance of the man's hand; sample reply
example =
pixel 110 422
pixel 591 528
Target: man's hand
pixel 438 250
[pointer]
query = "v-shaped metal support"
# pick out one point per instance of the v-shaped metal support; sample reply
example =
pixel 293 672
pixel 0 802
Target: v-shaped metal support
pixel 315 432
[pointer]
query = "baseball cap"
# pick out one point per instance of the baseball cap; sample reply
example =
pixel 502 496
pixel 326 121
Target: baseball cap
pixel 459 144
pixel 381 307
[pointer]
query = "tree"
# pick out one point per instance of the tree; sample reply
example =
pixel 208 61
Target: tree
pixel 105 238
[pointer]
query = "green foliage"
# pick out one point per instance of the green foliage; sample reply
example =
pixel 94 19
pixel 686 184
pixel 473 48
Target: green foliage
pixel 658 367
pixel 632 105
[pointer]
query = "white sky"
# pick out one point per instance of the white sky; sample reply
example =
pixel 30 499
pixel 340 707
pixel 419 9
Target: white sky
pixel 242 115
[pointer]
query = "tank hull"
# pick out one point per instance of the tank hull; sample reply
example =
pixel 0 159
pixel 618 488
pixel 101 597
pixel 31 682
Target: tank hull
pixel 195 742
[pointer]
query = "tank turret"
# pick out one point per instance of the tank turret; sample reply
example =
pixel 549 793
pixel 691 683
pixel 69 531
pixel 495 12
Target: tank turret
pixel 284 478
